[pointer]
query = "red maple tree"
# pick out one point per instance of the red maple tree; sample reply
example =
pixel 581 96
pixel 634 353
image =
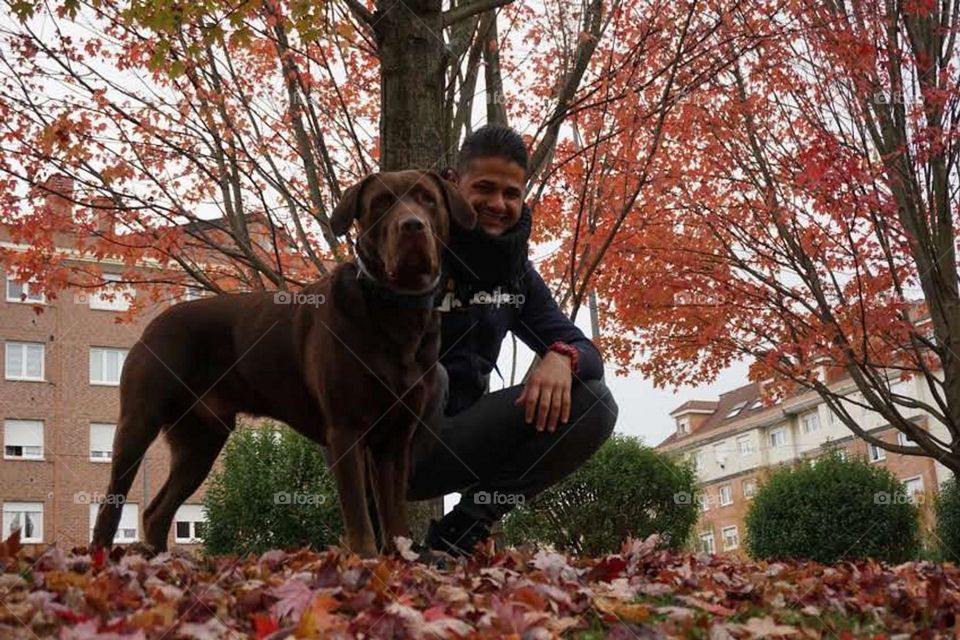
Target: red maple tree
pixel 802 214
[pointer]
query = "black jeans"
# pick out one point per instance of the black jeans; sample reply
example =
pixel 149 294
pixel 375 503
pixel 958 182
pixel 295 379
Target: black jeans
pixel 495 459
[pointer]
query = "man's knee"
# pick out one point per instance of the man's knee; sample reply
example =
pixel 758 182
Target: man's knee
pixel 592 404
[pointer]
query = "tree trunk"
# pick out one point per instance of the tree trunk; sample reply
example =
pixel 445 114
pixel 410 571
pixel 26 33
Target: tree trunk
pixel 413 59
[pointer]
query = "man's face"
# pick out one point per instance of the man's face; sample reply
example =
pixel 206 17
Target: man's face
pixel 494 187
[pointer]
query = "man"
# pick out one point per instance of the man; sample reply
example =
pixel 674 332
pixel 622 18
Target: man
pixel 502 448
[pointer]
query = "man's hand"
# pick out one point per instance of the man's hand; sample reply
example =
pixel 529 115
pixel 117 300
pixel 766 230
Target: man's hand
pixel 547 392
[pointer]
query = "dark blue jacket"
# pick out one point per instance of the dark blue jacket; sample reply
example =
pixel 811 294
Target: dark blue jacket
pixel 472 334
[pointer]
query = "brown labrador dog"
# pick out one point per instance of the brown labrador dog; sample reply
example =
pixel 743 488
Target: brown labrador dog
pixel 348 361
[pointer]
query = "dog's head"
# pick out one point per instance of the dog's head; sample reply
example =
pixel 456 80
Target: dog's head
pixel 403 223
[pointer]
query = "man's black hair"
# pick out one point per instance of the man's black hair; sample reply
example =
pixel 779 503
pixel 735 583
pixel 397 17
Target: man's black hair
pixel 492 141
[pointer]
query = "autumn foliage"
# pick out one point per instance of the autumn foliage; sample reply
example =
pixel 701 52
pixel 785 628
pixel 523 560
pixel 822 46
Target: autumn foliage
pixel 800 213
pixel 773 180
pixel 640 591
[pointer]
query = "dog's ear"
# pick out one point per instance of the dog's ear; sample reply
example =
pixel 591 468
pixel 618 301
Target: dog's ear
pixel 348 209
pixel 457 205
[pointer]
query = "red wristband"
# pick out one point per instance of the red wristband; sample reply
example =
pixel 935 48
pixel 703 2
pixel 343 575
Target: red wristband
pixel 569 350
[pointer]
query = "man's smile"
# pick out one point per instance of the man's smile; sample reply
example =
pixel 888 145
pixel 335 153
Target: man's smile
pixel 489 218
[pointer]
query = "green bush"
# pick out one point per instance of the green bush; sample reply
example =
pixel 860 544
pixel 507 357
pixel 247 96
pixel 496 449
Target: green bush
pixel 272 491
pixel 948 521
pixel 625 489
pixel 834 510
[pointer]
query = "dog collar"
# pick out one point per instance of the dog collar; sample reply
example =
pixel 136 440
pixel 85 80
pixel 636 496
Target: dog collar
pixel 420 299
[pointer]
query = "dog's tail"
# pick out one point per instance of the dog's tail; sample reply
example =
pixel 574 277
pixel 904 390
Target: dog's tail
pixel 135 434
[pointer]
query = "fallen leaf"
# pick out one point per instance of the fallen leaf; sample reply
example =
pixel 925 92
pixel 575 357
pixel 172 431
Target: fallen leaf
pixel 766 627
pixel 294 596
pixel 623 611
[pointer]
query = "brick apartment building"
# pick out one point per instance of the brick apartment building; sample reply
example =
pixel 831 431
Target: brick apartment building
pixel 736 440
pixel 60 403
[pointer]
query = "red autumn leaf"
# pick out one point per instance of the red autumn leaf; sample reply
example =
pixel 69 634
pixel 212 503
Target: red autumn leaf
pixel 608 569
pixel 264 625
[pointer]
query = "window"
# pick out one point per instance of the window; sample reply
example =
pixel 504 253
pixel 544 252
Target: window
pixel 129 517
pixel 757 404
pixel 106 365
pixel 749 489
pixel 877 454
pixel 745 445
pixel 904 440
pixel 24 361
pixel 913 486
pixel 704 500
pixel 735 409
pixel 192 293
pixel 26 516
pixel 188 523
pixel 730 538
pixel 699 460
pixel 720 453
pixel 23 439
pixel 21 292
pixel 778 438
pixel 118 293
pixel 706 542
pixel 810 422
pixel 842 453
pixel 726 495
pixel 682 425
pixel 101 441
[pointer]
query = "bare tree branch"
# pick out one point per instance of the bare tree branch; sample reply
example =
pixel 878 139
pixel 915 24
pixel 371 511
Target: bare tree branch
pixel 464 11
pixel 361 12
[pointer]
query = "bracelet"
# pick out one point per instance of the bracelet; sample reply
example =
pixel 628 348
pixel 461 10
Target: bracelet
pixel 568 350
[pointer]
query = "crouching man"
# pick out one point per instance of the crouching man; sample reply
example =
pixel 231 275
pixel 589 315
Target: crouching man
pixel 501 449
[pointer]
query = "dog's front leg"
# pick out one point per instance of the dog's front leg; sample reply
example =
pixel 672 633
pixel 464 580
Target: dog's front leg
pixel 348 472
pixel 391 466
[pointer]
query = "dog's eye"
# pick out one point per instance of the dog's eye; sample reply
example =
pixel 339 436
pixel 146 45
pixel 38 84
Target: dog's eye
pixel 427 198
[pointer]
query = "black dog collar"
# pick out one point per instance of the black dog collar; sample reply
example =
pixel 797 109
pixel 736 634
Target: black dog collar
pixel 422 299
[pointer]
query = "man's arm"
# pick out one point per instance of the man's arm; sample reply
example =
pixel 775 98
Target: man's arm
pixel 540 323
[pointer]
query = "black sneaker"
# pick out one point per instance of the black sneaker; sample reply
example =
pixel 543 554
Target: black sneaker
pixel 456 534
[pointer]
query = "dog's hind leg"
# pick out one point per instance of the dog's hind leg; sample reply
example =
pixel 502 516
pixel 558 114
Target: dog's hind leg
pixel 194 446
pixel 135 433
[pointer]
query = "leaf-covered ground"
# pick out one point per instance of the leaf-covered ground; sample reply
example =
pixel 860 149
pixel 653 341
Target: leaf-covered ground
pixel 640 593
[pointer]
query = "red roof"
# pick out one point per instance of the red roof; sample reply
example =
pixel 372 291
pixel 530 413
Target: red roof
pixel 732 406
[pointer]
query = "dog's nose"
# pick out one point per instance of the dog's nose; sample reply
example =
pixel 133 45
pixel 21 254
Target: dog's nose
pixel 413 224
